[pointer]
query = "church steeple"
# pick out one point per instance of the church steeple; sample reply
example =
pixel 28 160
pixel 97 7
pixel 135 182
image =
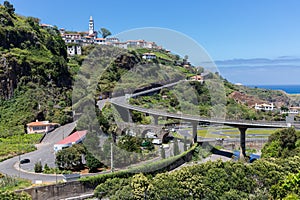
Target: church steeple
pixel 91 26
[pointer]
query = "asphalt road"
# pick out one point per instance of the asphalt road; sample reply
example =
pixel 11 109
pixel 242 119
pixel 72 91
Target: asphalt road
pixel 45 154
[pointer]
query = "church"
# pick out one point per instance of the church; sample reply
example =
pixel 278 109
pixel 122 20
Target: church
pixel 75 40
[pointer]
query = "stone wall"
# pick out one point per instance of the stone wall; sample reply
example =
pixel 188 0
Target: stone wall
pixel 58 191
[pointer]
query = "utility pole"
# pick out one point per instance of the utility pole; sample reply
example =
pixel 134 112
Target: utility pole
pixel 19 157
pixel 111 157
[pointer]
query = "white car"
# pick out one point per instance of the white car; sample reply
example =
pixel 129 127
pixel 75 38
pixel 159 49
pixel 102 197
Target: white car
pixel 156 141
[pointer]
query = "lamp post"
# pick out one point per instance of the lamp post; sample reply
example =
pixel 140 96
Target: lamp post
pixel 19 156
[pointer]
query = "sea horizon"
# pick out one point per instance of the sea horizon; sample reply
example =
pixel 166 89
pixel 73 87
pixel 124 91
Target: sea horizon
pixel 289 89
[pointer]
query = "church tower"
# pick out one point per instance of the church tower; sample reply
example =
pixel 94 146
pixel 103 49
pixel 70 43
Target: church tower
pixel 91 26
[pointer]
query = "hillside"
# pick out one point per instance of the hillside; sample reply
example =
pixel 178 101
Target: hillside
pixel 36 75
pixel 196 98
pixel 35 82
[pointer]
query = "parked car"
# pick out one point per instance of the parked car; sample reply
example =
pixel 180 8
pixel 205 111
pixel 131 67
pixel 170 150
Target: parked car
pixel 23 161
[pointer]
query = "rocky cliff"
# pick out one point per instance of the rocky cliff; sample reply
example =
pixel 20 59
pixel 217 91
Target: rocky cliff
pixel 34 76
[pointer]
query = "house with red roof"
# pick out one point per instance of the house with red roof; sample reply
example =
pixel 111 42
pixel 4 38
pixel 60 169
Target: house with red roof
pixel 74 138
pixel 41 127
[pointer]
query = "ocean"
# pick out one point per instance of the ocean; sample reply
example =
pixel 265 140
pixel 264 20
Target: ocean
pixel 290 89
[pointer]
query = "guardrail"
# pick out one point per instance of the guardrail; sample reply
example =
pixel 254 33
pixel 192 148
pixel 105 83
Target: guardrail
pixel 122 102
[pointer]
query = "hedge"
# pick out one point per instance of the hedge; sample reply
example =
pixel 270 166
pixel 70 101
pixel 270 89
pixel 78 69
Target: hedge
pixel 159 166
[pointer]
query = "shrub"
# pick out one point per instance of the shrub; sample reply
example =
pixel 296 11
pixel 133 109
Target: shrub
pixel 8 195
pixel 46 167
pixel 38 168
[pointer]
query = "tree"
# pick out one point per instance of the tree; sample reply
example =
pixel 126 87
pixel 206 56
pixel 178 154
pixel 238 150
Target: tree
pixel 130 144
pixel 104 32
pixel 46 167
pixel 139 184
pixel 282 143
pixel 92 163
pixel 9 7
pixel 288 187
pixel 38 168
pixel 70 158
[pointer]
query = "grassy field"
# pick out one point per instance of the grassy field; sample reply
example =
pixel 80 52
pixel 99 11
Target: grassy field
pixel 13 145
pixel 231 132
pixel 8 183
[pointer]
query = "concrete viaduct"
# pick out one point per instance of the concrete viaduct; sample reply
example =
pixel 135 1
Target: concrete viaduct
pixel 124 108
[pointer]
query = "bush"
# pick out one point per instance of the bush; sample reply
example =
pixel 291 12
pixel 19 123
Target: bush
pixel 8 195
pixel 38 168
pixel 159 166
pixel 46 167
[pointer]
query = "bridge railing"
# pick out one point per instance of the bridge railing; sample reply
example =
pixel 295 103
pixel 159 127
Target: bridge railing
pixel 121 101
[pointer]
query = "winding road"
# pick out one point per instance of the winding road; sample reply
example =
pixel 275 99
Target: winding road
pixel 44 153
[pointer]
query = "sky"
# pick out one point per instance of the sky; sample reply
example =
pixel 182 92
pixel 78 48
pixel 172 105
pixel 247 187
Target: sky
pixel 250 32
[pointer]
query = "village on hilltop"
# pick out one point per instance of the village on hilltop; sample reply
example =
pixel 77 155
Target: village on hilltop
pixel 75 40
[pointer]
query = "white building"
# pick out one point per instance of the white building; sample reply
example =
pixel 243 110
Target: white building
pixel 264 107
pixel 91 26
pixel 72 139
pixel 100 41
pixel 41 127
pixel 74 50
pixel 112 40
pixel 149 56
pixel 121 45
pixel 90 37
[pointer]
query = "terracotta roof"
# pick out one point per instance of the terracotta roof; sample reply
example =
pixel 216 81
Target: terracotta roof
pixel 43 123
pixel 73 138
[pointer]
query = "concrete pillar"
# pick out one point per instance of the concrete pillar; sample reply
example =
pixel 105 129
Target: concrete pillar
pixel 129 116
pixel 155 117
pixel 195 124
pixel 124 113
pixel 243 141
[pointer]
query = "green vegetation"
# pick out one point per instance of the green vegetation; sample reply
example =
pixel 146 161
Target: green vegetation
pixel 8 195
pixel 8 183
pixel 36 78
pixel 133 144
pixel 201 152
pixel 232 132
pixel 282 144
pixel 289 188
pixel 197 100
pixel 17 144
pixel 36 83
pixel 104 32
pixel 149 168
pixel 38 167
pixel 225 180
pixel 55 171
pixel 71 158
pixel 267 178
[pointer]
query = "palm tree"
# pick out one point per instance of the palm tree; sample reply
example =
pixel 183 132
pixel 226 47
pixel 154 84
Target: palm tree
pixel 104 32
